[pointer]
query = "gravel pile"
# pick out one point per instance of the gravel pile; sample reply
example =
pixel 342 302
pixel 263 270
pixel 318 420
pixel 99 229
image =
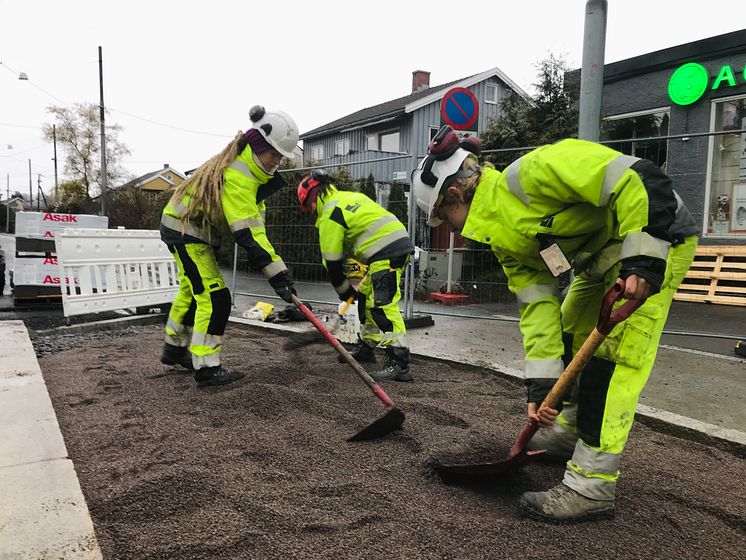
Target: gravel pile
pixel 261 469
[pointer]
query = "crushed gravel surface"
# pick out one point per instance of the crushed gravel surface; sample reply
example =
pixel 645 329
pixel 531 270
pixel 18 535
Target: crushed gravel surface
pixel 261 469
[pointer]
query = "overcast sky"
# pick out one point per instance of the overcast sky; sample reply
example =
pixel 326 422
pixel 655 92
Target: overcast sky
pixel 180 77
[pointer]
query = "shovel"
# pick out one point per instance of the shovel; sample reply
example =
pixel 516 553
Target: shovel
pixel 389 422
pixel 518 454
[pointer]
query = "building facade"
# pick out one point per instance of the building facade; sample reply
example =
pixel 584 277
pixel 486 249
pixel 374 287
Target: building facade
pixel 688 92
pixel 376 140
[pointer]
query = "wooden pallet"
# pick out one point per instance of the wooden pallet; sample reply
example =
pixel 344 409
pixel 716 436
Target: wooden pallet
pixel 717 275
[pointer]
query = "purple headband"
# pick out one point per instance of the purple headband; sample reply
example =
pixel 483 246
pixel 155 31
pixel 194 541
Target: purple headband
pixel 256 140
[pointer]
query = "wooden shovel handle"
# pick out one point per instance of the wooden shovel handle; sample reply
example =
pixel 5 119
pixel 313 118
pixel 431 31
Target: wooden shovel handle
pixel 607 320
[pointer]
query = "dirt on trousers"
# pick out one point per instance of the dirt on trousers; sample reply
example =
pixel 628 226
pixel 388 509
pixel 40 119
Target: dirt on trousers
pixel 261 469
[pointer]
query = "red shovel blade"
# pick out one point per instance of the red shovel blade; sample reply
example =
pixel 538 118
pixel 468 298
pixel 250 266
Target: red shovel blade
pixel 517 457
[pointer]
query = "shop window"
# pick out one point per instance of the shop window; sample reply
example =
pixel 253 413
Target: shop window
pixel 645 126
pixel 727 175
pixel 342 147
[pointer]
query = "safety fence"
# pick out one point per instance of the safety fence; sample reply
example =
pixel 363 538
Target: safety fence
pixel 444 262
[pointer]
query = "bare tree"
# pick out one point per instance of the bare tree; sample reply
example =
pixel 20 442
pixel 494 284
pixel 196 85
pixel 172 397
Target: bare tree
pixel 77 131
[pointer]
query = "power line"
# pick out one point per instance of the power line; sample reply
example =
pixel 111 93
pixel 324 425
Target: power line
pixel 168 125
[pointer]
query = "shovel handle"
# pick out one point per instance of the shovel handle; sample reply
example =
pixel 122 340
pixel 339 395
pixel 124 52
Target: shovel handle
pixel 607 320
pixel 369 381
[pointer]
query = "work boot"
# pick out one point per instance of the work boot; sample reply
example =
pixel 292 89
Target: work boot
pixel 362 352
pixel 558 441
pixel 177 355
pixel 214 376
pixel 395 365
pixel 562 503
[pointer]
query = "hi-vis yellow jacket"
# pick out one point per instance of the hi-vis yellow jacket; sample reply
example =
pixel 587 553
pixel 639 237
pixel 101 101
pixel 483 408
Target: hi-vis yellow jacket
pixel 591 202
pixel 245 188
pixel 351 224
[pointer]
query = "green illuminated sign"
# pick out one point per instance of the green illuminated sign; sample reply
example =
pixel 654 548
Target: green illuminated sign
pixel 689 82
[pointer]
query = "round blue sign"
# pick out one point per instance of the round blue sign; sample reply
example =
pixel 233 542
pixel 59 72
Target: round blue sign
pixel 459 108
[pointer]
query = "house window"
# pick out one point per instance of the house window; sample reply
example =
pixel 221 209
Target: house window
pixel 726 180
pixel 317 152
pixel 390 142
pixel 644 125
pixel 342 147
pixel 490 94
pixel 371 142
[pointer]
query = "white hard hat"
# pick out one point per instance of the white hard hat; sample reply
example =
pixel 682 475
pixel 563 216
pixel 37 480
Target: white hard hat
pixel 277 127
pixel 430 178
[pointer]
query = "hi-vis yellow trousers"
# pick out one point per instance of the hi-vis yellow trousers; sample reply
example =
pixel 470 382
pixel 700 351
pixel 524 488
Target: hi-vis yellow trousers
pixel 602 410
pixel 200 311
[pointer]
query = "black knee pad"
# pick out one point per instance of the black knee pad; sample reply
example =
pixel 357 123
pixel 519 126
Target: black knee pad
pixel 221 310
pixel 594 386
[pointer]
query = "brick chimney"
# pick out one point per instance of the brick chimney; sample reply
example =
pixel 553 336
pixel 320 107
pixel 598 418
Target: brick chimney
pixel 166 166
pixel 420 80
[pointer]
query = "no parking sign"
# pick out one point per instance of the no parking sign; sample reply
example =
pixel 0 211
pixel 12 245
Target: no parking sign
pixel 459 108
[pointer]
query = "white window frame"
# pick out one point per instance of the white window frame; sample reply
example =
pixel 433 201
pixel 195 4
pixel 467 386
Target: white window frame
pixel 317 152
pixel 708 173
pixel 368 138
pixel 387 133
pixel 622 116
pixel 342 147
pixel 494 88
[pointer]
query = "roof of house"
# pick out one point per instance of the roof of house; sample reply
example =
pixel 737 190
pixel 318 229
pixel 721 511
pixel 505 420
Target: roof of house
pixel 139 181
pixel 398 107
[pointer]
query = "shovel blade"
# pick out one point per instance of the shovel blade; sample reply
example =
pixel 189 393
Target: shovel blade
pixel 508 465
pixel 389 422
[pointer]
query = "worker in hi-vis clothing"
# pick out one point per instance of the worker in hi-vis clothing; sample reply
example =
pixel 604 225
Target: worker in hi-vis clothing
pixel 580 206
pixel 352 225
pixel 232 186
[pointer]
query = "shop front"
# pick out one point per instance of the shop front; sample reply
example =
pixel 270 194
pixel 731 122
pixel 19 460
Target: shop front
pixel 684 108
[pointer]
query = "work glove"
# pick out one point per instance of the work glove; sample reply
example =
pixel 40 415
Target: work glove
pixel 269 188
pixel 348 293
pixel 282 283
pixel 652 269
pixel 538 388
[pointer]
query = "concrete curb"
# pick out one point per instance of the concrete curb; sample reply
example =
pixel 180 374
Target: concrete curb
pixel 732 441
pixel 43 513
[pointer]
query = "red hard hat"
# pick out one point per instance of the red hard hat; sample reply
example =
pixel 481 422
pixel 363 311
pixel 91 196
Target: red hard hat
pixel 309 185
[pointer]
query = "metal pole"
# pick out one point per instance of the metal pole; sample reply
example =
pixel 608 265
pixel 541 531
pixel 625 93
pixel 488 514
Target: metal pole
pixel 103 133
pixel 7 203
pixel 592 71
pixel 451 242
pixel 30 188
pixel 38 191
pixel 235 267
pixel 54 143
pixel 409 277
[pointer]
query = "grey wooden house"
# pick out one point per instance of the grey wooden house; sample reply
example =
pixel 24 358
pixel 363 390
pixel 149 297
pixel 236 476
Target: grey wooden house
pixel 368 141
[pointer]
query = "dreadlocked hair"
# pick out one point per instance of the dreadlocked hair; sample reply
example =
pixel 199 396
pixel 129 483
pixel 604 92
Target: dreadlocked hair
pixel 206 184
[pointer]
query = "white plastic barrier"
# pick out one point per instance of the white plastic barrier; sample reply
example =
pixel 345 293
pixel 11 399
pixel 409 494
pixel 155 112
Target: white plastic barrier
pixel 107 269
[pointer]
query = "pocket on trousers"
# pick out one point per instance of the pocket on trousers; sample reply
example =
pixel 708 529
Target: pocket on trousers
pixel 384 287
pixel 629 343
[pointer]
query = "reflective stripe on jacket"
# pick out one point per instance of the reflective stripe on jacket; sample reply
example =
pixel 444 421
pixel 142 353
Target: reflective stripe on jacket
pixel 351 224
pixel 243 213
pixel 582 196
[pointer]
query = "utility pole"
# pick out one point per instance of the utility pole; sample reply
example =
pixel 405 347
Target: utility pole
pixel 7 203
pixel 30 188
pixel 103 133
pixel 54 143
pixel 38 192
pixel 592 71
